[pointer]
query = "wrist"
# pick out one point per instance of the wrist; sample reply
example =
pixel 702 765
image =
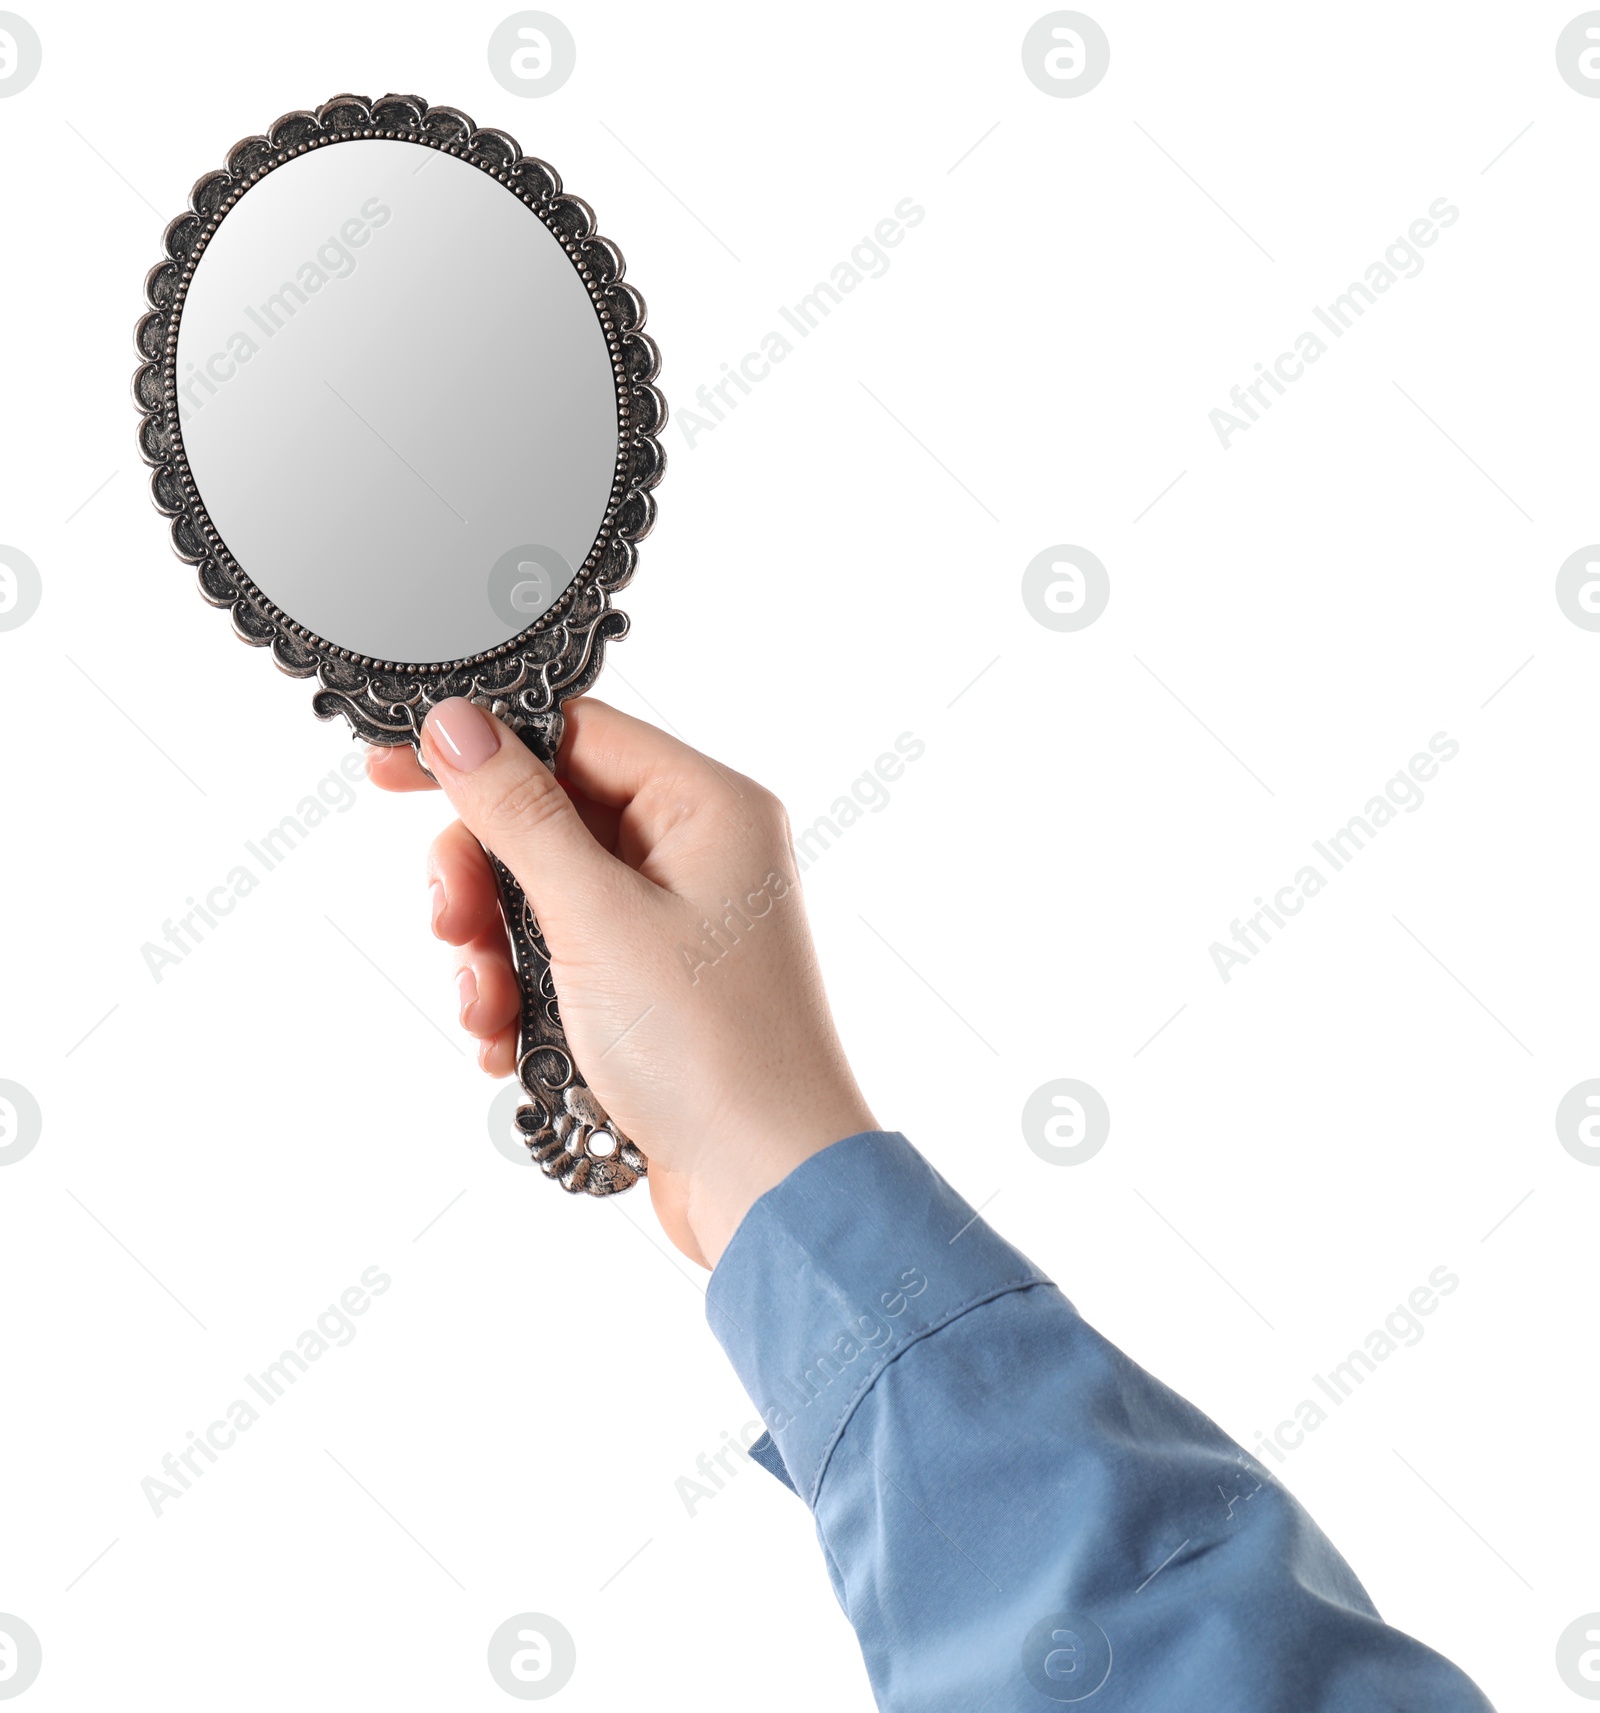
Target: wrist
pixel 724 1190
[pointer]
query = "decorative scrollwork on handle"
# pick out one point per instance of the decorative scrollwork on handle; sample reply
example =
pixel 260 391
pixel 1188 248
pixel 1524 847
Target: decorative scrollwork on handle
pixel 563 1125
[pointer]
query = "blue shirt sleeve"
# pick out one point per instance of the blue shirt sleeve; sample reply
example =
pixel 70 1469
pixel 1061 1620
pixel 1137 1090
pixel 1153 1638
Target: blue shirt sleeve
pixel 1012 1512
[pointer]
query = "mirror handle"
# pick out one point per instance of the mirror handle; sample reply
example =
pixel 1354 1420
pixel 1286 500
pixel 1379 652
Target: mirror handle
pixel 564 1127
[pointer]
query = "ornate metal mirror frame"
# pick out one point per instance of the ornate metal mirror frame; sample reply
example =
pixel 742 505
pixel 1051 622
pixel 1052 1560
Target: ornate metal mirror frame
pixel 523 681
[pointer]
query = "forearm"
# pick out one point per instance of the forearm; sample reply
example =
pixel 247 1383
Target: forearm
pixel 1000 1492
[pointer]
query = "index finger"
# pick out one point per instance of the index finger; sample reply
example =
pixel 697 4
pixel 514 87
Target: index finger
pixel 396 769
pixel 617 760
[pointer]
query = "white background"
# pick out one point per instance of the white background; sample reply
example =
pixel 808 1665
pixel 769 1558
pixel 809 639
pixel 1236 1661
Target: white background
pixel 1288 1158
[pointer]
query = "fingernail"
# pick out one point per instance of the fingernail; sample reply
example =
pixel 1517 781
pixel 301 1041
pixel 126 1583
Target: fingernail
pixel 467 988
pixel 436 891
pixel 462 733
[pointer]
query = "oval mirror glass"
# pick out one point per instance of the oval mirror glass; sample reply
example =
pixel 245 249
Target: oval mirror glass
pixel 397 401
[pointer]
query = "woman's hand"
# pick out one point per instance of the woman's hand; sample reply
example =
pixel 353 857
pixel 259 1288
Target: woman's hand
pixel 667 891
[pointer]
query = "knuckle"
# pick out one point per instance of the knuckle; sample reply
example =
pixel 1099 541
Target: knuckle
pixel 758 824
pixel 774 814
pixel 526 803
pixel 769 813
pixel 749 810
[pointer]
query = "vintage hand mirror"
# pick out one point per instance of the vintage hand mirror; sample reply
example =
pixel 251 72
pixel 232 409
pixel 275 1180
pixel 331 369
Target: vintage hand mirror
pixel 399 407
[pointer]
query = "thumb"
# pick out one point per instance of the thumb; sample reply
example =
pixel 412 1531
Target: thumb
pixel 510 801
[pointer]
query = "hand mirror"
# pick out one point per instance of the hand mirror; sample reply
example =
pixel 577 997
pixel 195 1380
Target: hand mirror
pixel 397 399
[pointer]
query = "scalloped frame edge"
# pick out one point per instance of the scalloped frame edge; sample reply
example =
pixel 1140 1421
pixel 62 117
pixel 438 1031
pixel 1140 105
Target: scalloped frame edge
pixel 526 679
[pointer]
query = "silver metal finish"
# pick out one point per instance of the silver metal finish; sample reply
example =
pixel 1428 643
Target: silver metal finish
pixel 525 680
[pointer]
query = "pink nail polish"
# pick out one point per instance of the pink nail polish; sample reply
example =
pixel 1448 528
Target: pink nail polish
pixel 462 733
pixel 467 987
